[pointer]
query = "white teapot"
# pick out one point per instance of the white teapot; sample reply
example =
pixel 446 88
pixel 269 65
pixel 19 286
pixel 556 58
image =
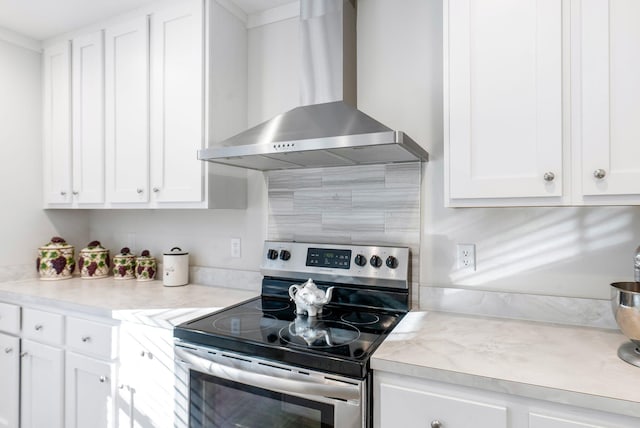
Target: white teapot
pixel 309 298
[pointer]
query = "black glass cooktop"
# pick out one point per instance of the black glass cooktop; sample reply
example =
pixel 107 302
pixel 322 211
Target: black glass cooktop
pixel 340 340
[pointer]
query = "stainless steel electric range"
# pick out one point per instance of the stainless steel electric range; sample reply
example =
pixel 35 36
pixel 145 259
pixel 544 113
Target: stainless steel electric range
pixel 262 363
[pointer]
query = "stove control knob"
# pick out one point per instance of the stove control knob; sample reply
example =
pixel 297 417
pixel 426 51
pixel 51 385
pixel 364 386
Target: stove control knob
pixel 285 255
pixel 360 260
pixel 391 262
pixel 272 254
pixel 375 261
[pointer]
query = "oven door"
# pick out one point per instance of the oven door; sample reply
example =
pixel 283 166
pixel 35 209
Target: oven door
pixel 217 389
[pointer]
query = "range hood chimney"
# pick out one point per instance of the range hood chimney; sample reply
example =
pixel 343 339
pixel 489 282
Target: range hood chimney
pixel 327 130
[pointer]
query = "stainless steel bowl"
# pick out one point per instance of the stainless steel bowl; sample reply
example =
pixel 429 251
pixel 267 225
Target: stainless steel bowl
pixel 625 302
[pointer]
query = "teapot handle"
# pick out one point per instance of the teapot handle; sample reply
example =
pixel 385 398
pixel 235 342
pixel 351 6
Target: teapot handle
pixel 292 294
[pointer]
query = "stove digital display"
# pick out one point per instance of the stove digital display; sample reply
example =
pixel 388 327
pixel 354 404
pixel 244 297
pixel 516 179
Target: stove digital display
pixel 324 257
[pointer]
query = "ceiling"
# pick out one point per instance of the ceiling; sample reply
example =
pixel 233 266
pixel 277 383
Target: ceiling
pixel 42 19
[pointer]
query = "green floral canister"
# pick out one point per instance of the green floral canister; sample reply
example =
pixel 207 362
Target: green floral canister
pixel 124 265
pixel 56 260
pixel 146 267
pixel 94 261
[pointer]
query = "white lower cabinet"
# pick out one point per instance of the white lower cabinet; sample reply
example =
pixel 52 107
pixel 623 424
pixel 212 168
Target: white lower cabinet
pixel 410 405
pixel 404 401
pixel 89 392
pixel 42 383
pixel 10 385
pixel 146 377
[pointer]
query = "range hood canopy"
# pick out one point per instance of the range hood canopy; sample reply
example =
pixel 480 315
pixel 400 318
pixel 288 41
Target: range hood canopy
pixel 326 130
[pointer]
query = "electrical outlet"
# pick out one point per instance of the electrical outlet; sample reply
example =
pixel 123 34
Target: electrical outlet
pixel 466 257
pixel 235 248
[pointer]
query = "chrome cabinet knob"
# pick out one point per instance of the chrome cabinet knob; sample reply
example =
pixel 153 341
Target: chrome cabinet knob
pixel 156 189
pixel 75 193
pixel 599 174
pixel 8 350
pixel 436 424
pixel 86 339
pixel 102 379
pixel 38 327
pixel 139 190
pixel 24 354
pixel 548 177
pixel 63 193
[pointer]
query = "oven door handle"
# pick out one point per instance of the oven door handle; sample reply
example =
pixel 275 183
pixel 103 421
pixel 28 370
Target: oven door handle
pixel 289 386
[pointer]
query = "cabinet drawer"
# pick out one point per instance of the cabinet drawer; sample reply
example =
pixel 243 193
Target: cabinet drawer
pixel 9 318
pixel 90 337
pixel 428 407
pixel 41 326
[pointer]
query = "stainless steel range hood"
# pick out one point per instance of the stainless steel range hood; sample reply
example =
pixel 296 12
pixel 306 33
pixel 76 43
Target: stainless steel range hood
pixel 326 130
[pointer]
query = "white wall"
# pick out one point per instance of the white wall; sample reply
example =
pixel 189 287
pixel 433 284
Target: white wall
pixel 555 251
pixel 24 225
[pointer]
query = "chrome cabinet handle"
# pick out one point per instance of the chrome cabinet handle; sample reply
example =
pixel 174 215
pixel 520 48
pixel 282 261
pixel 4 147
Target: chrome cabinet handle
pixel 146 353
pixel 548 177
pixel 8 350
pixel 86 339
pixel 38 327
pixel 139 190
pixel 24 354
pixel 599 174
pixel 436 424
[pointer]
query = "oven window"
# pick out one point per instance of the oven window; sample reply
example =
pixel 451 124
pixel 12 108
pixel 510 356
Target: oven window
pixel 219 403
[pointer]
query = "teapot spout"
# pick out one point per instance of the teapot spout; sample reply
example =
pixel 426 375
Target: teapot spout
pixel 327 296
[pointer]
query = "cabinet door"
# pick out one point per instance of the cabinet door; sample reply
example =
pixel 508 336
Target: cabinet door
pixel 57 124
pixel 42 386
pixel 402 406
pixel 503 98
pixel 146 399
pixel 88 118
pixel 127 106
pixel 610 97
pixel 177 102
pixel 89 392
pixel 10 385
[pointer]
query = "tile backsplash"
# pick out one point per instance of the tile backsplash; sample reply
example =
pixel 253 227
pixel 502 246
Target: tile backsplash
pixel 370 204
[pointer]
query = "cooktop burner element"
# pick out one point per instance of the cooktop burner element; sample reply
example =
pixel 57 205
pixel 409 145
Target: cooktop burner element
pixel 369 298
pixel 244 323
pixel 360 318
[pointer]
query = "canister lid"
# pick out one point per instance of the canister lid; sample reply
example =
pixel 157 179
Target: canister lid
pixel 176 251
pixel 56 243
pixel 94 247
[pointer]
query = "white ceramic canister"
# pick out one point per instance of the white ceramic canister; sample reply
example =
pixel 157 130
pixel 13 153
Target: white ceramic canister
pixel 175 266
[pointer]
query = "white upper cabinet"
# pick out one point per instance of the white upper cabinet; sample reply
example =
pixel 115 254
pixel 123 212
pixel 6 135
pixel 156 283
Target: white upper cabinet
pixel 503 99
pixel 606 103
pixel 88 118
pixel 177 95
pixel 127 111
pixel 150 88
pixel 57 124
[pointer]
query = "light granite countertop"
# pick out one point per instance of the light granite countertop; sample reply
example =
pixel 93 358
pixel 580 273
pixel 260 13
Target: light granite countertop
pixel 126 300
pixel 565 364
